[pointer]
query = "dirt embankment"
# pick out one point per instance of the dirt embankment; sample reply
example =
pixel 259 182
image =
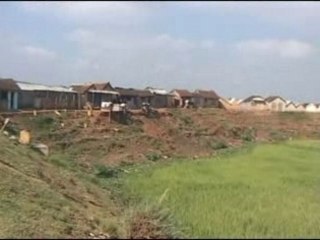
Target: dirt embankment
pixel 175 133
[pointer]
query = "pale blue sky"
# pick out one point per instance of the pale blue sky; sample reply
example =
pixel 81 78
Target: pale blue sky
pixel 236 48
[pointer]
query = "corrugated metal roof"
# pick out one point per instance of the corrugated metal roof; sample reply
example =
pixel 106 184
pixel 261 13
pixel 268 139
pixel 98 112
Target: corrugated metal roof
pixel 24 86
pixel 81 88
pixel 133 92
pixel 231 100
pixel 157 91
pixel 254 98
pixel 308 104
pixel 234 100
pixel 183 92
pixel 258 99
pixel 8 84
pixel 104 91
pixel 207 94
pixel 272 98
pixel 103 86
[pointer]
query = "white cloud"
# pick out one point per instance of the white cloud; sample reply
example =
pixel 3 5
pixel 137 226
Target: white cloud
pixel 92 12
pixel 39 52
pixel 82 8
pixel 125 57
pixel 165 40
pixel 283 12
pixel 278 48
pixel 92 41
pixel 209 44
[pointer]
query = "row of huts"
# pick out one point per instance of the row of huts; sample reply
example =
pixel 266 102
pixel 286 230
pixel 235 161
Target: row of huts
pixel 271 103
pixel 17 95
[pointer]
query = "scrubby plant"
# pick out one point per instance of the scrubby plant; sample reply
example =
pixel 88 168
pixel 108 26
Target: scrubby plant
pixel 103 171
pixel 152 221
pixel 153 156
pixel 218 144
pixel 187 120
pixel 277 135
pixel 44 122
pixel 249 135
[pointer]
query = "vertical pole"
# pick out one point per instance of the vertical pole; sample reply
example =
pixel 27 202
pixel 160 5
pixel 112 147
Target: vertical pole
pixel 110 112
pixel 79 101
pixel 92 99
pixel 43 105
pixel 9 100
pixel 15 100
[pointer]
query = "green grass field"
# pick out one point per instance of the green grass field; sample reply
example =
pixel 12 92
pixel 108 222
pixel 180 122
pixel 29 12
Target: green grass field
pixel 267 191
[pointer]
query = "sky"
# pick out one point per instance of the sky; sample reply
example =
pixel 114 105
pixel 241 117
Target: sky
pixel 235 48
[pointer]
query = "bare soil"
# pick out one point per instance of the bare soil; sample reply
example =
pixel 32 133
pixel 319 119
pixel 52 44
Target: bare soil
pixel 176 133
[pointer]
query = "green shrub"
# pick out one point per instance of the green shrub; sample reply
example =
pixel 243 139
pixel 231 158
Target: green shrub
pixel 153 156
pixel 136 129
pixel 248 135
pixel 218 144
pixel 44 122
pixel 236 132
pixel 298 116
pixel 12 129
pixel 103 171
pixel 62 160
pixel 187 120
pixel 156 221
pixel 172 131
pixel 278 135
pixel 126 164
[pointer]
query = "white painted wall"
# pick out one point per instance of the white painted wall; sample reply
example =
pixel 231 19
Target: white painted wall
pixel 311 108
pixel 300 108
pixel 277 105
pixel 290 108
pixel 253 106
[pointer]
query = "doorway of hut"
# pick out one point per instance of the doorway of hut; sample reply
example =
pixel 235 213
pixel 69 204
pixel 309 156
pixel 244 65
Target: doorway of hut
pixel 8 100
pixel 176 103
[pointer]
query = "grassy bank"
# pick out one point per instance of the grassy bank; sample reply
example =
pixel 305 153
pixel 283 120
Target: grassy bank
pixel 269 191
pixel 42 200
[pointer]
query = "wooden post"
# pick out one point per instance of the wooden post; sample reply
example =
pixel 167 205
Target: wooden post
pixel 79 101
pixel 92 99
pixel 43 102
pixel 6 121
pixel 9 100
pixel 15 101
pixel 110 112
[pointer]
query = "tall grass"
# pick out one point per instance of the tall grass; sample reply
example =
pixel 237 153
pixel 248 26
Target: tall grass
pixel 271 191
